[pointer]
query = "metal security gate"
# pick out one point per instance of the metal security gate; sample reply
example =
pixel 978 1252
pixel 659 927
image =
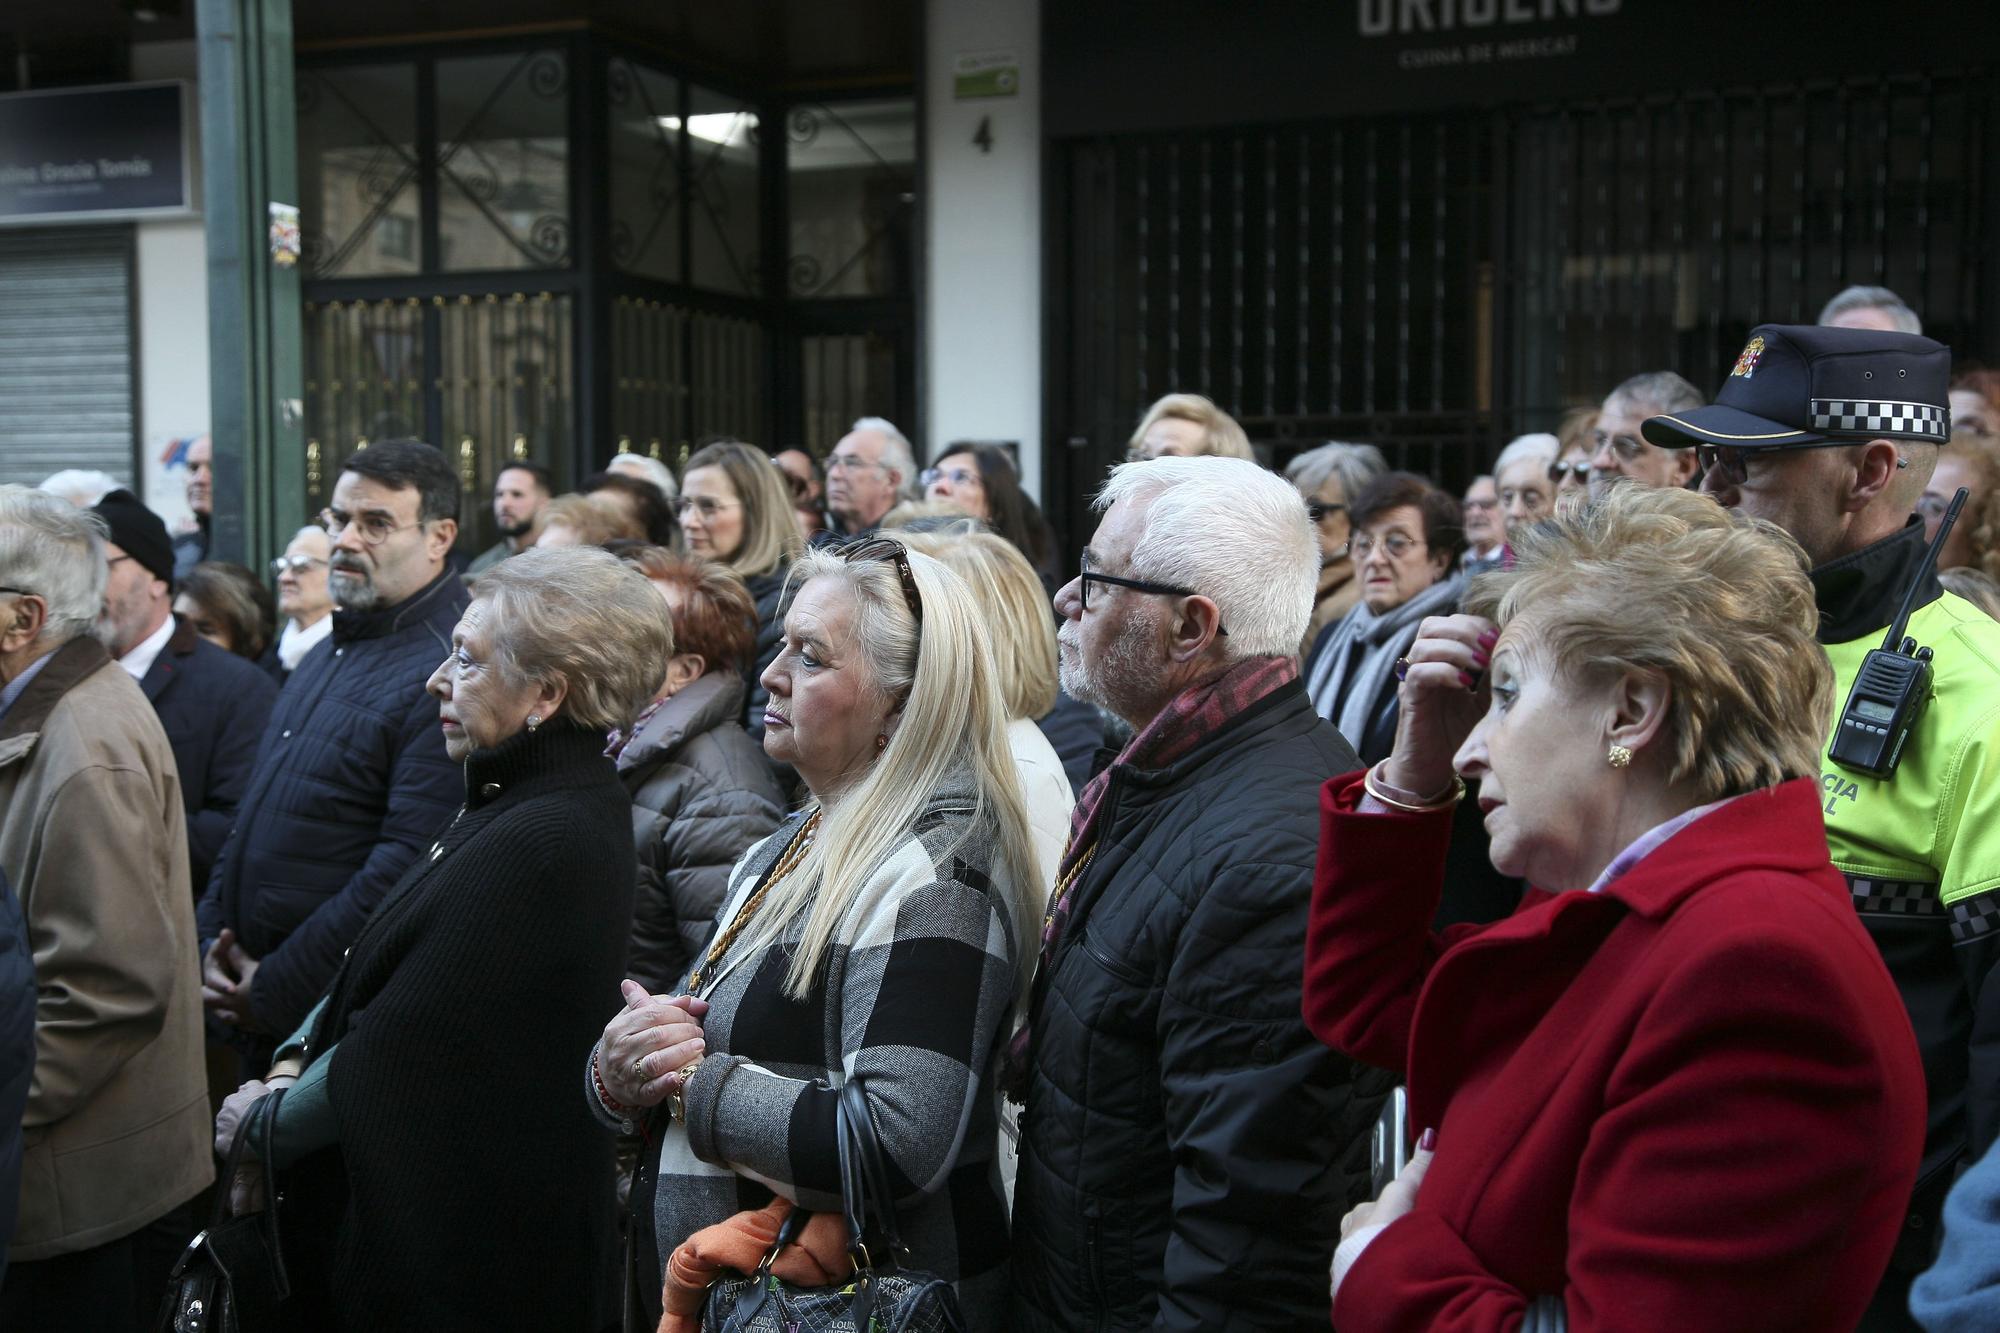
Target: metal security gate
pixel 489 378
pixel 66 379
pixel 1437 284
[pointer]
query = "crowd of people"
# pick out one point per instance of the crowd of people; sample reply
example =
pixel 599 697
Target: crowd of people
pixel 549 917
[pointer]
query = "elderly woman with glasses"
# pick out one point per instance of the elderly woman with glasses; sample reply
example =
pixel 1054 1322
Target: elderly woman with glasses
pixel 884 933
pixel 1407 539
pixel 1677 1089
pixel 439 1170
pixel 1329 477
pixel 736 510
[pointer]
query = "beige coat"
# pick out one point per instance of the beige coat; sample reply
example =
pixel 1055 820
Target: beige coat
pixel 94 839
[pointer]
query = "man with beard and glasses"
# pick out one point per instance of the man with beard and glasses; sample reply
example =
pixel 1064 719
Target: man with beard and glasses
pixel 1182 1127
pixel 520 493
pixel 352 781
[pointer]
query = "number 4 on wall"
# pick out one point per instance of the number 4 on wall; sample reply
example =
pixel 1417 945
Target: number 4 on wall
pixel 983 136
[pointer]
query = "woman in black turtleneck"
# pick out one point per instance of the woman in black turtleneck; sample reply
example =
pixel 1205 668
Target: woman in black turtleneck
pixel 439 1168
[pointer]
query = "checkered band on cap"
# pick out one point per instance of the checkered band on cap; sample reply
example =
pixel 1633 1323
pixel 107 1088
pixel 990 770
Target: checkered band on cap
pixel 1873 418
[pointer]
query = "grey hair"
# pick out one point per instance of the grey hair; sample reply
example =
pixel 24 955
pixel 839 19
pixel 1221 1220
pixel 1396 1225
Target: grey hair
pixel 580 614
pixel 897 452
pixel 656 472
pixel 1234 533
pixel 1524 447
pixel 1873 298
pixel 1355 465
pixel 82 487
pixel 1662 390
pixel 53 549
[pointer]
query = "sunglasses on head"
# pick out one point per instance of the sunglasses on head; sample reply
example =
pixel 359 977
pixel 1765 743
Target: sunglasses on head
pixel 893 551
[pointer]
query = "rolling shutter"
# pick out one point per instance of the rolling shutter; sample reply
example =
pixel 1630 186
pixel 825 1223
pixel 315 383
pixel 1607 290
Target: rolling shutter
pixel 66 375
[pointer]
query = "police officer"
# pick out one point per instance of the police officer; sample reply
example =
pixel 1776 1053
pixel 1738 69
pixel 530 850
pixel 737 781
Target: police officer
pixel 1831 435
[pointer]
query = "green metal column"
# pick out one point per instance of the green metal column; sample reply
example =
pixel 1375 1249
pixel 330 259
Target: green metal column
pixel 249 143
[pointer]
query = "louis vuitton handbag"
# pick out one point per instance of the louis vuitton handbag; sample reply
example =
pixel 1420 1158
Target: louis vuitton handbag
pixel 884 1296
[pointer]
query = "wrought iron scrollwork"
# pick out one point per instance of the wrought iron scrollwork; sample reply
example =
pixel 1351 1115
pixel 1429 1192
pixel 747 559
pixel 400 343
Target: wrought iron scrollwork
pixel 550 237
pixel 548 76
pixel 618 83
pixel 802 126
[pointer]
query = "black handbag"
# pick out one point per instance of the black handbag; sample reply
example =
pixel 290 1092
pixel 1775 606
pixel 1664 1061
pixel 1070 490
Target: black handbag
pixel 231 1278
pixel 884 1295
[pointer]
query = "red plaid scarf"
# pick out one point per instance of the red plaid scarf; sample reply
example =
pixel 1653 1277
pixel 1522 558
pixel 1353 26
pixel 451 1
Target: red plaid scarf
pixel 1190 718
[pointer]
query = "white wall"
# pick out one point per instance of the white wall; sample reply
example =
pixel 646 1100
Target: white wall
pixel 172 301
pixel 982 318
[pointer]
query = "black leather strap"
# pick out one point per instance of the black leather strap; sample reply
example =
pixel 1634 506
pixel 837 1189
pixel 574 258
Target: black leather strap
pixel 867 1194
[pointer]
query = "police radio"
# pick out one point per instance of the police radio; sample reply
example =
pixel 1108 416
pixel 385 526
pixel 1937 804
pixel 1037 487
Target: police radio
pixel 1894 682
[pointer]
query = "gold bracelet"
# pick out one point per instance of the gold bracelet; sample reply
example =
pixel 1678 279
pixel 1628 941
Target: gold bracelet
pixel 677 1101
pixel 1454 795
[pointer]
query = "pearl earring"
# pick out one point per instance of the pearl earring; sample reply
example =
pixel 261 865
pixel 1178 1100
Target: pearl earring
pixel 534 720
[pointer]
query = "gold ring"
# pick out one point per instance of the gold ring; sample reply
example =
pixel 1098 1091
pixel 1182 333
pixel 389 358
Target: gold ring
pixel 639 1069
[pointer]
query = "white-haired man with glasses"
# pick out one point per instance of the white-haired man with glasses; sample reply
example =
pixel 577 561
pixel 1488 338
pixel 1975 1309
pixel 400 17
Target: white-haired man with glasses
pixel 352 782
pixel 871 470
pixel 113 1138
pixel 1619 451
pixel 1181 1127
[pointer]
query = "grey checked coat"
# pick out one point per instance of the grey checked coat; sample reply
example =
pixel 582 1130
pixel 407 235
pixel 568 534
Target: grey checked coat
pixel 917 997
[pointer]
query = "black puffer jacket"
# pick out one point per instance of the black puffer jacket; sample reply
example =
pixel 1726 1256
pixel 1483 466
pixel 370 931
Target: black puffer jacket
pixel 351 783
pixel 702 795
pixel 769 590
pixel 1188 1148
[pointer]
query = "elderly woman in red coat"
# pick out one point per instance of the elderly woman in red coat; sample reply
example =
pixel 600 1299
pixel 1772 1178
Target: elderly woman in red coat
pixel 1676 1090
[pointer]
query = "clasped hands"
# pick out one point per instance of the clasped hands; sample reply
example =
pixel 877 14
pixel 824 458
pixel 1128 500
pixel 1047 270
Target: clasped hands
pixel 646 1048
pixel 226 971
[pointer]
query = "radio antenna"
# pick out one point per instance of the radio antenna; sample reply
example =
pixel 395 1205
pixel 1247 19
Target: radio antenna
pixel 1894 640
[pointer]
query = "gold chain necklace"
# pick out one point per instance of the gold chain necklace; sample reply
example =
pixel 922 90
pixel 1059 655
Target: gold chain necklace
pixel 801 843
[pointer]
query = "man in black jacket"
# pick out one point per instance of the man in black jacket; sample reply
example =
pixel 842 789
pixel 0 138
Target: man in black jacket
pixel 1187 1147
pixel 212 703
pixel 352 781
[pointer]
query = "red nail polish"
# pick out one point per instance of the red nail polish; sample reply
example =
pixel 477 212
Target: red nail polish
pixel 1489 638
pixel 1483 659
pixel 1429 1142
pixel 1471 681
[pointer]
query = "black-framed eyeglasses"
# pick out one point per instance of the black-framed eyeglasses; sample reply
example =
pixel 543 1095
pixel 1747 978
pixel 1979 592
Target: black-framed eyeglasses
pixel 893 551
pixel 1731 465
pixel 296 564
pixel 1087 576
pixel 18 592
pixel 1579 471
pixel 1318 512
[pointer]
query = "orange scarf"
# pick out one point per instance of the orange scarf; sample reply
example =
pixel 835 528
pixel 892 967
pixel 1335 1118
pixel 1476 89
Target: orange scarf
pixel 818 1258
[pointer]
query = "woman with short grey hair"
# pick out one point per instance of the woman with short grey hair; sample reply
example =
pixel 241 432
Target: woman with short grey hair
pixel 1329 477
pixel 431 1109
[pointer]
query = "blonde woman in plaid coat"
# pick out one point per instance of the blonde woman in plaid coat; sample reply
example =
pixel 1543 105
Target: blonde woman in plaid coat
pixel 883 932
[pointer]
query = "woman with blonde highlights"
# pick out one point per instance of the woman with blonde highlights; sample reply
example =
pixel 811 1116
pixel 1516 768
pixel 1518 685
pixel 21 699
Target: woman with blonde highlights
pixel 884 933
pixel 1024 658
pixel 1187 425
pixel 736 509
pixel 1677 1089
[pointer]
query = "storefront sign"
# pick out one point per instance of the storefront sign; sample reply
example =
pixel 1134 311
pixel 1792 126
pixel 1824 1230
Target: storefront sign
pixel 986 74
pixel 1123 66
pixel 92 154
